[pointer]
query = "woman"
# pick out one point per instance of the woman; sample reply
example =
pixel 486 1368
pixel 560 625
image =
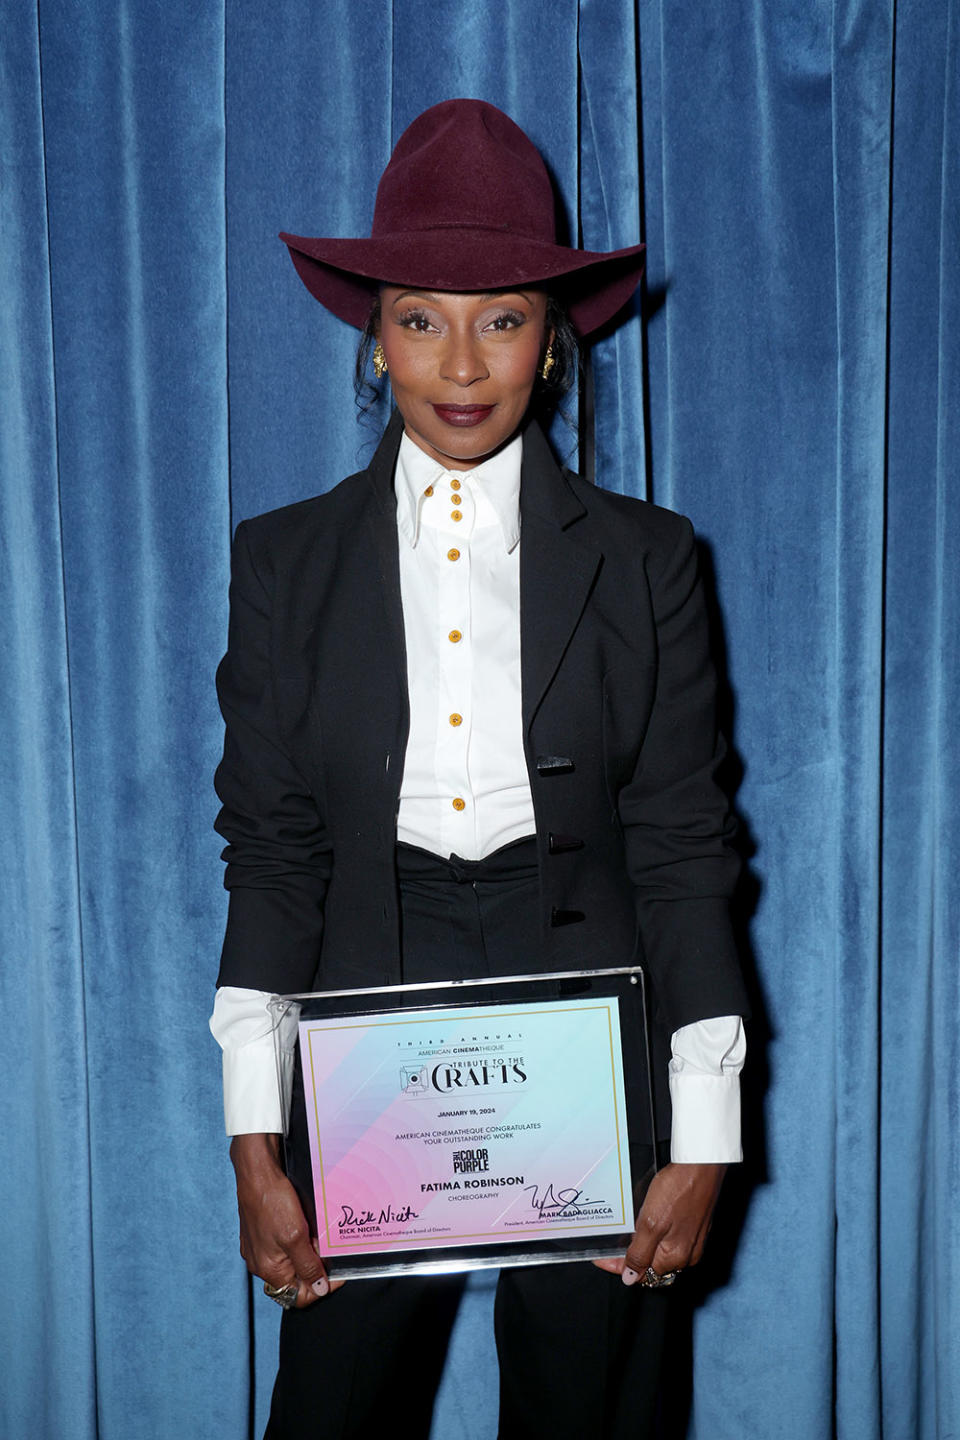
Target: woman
pixel 462 666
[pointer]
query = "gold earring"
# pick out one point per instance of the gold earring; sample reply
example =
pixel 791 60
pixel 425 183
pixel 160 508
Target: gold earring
pixel 548 364
pixel 379 361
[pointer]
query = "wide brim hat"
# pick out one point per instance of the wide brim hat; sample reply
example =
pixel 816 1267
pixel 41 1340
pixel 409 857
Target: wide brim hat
pixel 465 203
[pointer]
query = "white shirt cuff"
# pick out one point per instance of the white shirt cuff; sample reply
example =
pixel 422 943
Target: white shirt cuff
pixel 707 1058
pixel 256 1085
pixel 706 1119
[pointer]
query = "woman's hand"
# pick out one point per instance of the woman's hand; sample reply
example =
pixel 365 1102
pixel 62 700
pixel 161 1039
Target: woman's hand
pixel 274 1237
pixel 673 1224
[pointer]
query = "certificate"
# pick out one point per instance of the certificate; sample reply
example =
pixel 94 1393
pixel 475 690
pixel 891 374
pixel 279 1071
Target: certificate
pixel 454 1127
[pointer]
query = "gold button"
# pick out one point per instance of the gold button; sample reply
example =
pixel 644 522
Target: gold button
pixel 429 490
pixel 459 804
pixel 454 636
pixel 454 484
pixel 456 719
pixel 453 554
pixel 455 515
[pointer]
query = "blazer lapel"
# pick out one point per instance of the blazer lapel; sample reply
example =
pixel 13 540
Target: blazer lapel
pixel 362 703
pixel 382 519
pixel 557 569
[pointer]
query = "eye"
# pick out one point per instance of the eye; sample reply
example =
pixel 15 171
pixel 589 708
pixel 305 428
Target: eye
pixel 506 320
pixel 414 320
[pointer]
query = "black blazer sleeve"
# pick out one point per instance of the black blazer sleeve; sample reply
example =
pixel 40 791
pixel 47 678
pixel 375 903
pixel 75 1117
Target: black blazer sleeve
pixel 278 855
pixel 676 822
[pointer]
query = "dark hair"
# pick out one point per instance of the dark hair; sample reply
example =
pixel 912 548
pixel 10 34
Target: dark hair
pixel 366 392
pixel 547 394
pixel 565 347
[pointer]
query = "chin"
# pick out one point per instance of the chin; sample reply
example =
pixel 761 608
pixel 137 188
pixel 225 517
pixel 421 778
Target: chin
pixel 465 447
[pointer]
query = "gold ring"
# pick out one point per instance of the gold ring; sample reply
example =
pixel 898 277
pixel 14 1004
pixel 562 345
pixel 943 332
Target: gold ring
pixel 653 1280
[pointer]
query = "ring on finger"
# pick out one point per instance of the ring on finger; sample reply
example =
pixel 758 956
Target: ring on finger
pixel 653 1280
pixel 285 1295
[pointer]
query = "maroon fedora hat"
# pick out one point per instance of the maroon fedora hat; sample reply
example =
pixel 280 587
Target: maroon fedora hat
pixel 465 204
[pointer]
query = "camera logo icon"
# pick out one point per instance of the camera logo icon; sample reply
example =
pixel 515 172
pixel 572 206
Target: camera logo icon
pixel 414 1080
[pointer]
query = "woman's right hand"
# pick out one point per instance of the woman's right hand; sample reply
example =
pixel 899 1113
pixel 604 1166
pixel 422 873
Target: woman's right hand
pixel 274 1236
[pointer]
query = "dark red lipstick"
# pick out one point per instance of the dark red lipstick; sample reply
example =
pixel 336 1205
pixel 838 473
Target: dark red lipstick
pixel 462 415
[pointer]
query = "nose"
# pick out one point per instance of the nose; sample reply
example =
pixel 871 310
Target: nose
pixel 462 360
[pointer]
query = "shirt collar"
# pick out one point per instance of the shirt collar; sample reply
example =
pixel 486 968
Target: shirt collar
pixel 497 479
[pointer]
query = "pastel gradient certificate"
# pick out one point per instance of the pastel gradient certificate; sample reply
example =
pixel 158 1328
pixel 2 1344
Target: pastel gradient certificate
pixel 468 1125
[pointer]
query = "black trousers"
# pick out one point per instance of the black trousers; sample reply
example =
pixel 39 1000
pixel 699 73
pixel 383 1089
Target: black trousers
pixel 579 1352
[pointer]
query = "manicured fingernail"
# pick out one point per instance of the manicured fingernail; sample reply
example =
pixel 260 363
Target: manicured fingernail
pixel 629 1277
pixel 321 1286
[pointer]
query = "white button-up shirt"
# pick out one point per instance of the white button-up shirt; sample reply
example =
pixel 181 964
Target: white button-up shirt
pixel 465 788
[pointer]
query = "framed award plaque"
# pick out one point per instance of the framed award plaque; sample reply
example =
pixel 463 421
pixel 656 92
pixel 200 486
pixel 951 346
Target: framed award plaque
pixel 474 1123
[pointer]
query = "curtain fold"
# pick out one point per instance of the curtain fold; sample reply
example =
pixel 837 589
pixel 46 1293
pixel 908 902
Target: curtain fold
pixel 862 69
pixel 791 384
pixel 611 217
pixel 45 1194
pixel 919 1149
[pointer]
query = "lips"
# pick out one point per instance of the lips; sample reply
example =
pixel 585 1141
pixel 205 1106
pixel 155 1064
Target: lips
pixel 462 416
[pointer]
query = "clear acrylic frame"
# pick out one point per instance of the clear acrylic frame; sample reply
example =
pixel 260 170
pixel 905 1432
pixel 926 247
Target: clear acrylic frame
pixel 560 1225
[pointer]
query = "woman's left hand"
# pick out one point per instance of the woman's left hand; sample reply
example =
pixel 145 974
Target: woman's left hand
pixel 673 1224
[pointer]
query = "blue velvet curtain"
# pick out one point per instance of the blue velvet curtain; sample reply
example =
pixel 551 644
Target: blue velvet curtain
pixel 790 382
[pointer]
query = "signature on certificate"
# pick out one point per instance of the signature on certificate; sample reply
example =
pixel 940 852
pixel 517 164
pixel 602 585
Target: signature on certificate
pixel 387 1216
pixel 566 1200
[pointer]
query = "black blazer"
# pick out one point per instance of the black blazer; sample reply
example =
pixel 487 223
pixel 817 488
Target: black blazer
pixel 619 732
